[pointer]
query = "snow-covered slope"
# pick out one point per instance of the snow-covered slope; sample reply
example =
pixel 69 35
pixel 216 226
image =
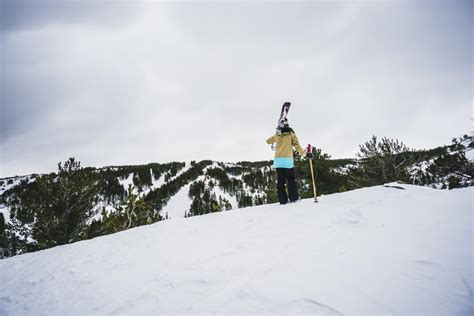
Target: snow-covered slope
pixel 377 251
pixel 9 183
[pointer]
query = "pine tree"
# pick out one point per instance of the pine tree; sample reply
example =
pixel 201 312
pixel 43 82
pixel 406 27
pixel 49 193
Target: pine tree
pixel 3 237
pixel 134 211
pixel 382 161
pixel 54 209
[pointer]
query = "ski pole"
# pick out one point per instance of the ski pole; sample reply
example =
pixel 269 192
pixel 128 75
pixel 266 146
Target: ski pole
pixel 309 150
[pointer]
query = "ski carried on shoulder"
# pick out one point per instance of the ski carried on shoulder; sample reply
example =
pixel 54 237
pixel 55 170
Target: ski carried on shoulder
pixel 284 112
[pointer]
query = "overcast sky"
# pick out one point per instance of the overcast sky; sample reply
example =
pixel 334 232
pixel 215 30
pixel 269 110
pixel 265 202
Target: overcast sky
pixel 115 83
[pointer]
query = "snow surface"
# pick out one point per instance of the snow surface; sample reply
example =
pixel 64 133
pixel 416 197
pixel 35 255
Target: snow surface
pixel 373 251
pixel 97 210
pixel 181 203
pixel 128 181
pixel 178 205
pixel 6 213
pixel 470 154
pixel 344 169
pixel 5 186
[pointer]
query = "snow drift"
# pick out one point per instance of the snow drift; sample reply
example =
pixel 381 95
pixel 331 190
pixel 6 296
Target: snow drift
pixel 399 249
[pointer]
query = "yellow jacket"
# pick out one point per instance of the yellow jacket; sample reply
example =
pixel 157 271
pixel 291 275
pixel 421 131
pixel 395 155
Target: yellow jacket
pixel 285 143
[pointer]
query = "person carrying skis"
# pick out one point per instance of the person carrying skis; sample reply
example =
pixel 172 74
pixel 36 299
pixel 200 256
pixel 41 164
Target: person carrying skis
pixel 284 164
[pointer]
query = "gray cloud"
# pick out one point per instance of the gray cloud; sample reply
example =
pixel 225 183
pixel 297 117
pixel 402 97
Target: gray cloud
pixel 33 14
pixel 184 81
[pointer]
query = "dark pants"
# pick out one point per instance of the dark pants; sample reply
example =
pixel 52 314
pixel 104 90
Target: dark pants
pixel 286 179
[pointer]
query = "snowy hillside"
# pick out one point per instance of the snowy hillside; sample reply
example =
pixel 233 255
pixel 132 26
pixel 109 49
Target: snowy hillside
pixel 379 251
pixel 452 168
pixel 9 183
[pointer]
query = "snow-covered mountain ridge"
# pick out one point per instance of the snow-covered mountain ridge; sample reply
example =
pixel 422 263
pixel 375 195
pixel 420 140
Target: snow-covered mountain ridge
pixel 379 251
pixel 42 211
